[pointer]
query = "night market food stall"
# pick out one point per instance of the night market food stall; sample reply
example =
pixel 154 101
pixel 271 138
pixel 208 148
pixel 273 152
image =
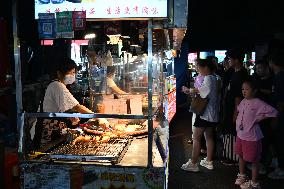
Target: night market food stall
pixel 133 151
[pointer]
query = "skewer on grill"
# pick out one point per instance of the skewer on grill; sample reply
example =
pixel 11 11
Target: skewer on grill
pixel 96 139
pixel 81 138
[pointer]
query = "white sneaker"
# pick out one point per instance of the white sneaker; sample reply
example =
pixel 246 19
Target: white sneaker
pixel 240 179
pixel 250 185
pixel 189 166
pixel 207 164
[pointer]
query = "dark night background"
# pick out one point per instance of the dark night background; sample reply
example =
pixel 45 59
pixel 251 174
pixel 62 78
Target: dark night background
pixel 221 24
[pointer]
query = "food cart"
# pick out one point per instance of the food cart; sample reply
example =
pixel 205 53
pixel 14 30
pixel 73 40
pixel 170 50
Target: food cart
pixel 133 153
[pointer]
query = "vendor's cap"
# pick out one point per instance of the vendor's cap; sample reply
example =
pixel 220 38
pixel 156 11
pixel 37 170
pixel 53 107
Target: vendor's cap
pixel 236 54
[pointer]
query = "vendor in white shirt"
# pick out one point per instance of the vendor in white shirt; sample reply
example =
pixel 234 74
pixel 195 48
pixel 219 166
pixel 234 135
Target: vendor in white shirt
pixel 111 86
pixel 59 99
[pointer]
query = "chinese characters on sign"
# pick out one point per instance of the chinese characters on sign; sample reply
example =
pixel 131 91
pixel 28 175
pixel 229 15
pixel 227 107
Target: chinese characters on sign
pixel 121 11
pixel 111 9
pixel 136 10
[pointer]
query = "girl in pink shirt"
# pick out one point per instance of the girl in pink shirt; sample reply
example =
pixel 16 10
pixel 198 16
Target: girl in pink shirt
pixel 248 146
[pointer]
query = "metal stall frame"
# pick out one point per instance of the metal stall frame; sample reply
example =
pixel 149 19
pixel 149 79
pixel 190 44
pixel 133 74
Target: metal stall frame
pixel 21 115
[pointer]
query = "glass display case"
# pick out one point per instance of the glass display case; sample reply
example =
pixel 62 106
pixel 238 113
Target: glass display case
pixel 127 113
pixel 132 152
pixel 131 77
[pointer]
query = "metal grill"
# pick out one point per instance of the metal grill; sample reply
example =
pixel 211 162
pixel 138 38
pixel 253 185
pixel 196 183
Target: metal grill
pixel 110 152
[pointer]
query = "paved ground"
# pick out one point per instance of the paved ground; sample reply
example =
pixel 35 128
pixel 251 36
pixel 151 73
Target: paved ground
pixel 222 177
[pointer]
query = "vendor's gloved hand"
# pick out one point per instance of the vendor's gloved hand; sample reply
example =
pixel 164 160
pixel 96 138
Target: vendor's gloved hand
pixel 103 123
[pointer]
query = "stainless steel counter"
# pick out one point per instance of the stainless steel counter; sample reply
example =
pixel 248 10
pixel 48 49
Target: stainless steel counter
pixel 136 154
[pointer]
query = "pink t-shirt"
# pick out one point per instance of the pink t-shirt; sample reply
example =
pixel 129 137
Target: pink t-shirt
pixel 250 112
pixel 198 81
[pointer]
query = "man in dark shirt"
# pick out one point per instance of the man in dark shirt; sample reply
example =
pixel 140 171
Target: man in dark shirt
pixel 276 63
pixel 234 90
pixel 228 71
pixel 264 81
pixel 233 97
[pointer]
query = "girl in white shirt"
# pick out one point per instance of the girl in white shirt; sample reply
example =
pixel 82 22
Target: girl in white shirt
pixel 205 123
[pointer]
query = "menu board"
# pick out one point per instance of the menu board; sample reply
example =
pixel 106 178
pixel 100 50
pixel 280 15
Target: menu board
pixel 108 9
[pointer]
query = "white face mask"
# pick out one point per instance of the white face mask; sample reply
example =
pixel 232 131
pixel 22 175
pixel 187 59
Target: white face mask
pixel 69 79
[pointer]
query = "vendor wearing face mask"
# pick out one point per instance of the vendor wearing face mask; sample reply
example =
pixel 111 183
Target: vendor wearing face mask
pixel 59 99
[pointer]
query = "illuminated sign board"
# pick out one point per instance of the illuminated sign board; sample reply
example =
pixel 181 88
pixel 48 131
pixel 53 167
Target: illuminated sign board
pixel 170 105
pixel 253 56
pixel 192 57
pixel 107 9
pixel 203 55
pixel 220 54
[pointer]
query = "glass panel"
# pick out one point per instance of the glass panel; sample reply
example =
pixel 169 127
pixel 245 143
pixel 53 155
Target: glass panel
pixel 123 87
pixel 49 138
